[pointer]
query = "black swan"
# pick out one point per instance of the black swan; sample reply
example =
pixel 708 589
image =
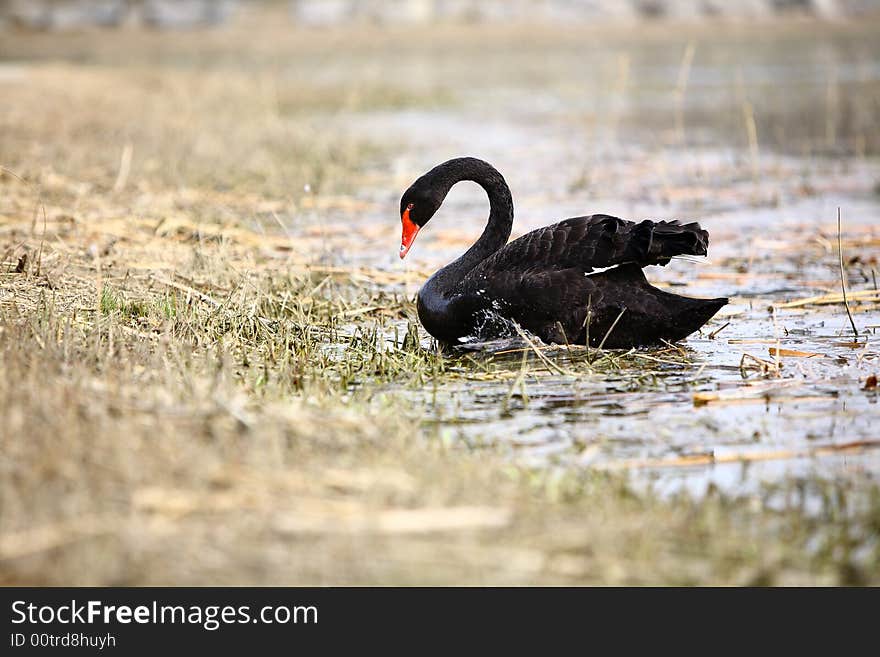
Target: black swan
pixel 578 280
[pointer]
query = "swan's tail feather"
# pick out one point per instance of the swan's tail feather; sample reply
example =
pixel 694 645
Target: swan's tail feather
pixel 652 315
pixel 692 314
pixel 668 239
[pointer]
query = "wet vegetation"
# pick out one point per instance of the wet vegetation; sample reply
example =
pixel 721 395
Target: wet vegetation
pixel 212 371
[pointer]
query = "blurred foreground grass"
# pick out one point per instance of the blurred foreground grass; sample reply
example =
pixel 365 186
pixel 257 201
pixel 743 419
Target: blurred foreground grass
pixel 168 441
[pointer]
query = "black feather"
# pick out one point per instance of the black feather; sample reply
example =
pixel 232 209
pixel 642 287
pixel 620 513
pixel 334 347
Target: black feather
pixel 552 279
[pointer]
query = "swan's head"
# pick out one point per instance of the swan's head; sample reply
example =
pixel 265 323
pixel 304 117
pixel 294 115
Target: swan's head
pixel 417 205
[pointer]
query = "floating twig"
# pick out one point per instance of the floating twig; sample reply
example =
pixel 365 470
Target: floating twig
pixel 710 458
pixel 827 299
pixel 717 331
pixel 766 367
pixel 794 353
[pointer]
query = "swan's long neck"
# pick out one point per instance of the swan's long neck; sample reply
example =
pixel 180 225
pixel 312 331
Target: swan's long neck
pixel 497 230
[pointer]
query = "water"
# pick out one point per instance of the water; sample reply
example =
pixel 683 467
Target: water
pixel 761 140
pixel 571 139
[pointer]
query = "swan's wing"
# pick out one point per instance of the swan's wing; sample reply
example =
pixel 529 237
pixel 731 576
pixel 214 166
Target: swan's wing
pixel 595 242
pixel 544 277
pixel 539 288
pixel 545 295
pixel 536 297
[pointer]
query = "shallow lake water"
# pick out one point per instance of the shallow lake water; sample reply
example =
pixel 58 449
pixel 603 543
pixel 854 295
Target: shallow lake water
pixel 577 142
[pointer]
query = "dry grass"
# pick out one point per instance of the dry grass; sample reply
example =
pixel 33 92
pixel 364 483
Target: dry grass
pixel 136 461
pixel 192 392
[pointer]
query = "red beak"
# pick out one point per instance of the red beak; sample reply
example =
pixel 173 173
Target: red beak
pixel 410 230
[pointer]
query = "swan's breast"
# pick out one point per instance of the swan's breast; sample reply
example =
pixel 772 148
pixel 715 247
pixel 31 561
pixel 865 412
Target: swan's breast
pixel 434 315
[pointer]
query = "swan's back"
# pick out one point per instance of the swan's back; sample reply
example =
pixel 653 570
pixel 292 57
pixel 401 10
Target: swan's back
pixel 596 242
pixel 550 279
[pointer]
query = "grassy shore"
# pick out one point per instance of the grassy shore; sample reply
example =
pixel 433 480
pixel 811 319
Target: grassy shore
pixel 194 391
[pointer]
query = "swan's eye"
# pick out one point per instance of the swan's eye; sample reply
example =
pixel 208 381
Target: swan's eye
pixel 409 207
